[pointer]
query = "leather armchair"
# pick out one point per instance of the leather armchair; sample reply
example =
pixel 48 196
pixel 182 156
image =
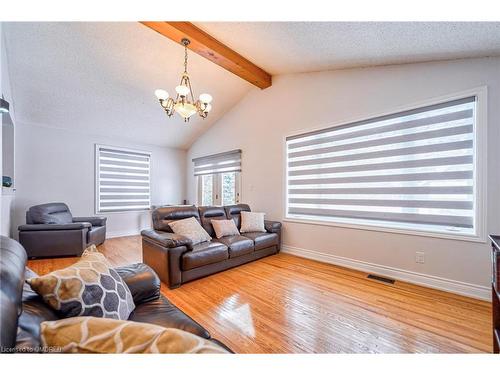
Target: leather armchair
pixel 51 230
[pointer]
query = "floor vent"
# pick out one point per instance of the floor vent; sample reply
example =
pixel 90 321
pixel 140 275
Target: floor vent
pixel 382 279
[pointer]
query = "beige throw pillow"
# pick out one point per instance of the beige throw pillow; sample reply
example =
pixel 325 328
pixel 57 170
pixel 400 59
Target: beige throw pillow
pixel 252 222
pixel 99 335
pixel 224 228
pixel 191 229
pixel 90 287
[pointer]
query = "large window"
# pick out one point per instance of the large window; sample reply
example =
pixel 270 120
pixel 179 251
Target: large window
pixel 122 180
pixel 413 170
pixel 218 178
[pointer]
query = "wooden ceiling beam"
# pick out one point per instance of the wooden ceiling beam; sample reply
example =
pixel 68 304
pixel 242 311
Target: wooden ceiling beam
pixel 210 48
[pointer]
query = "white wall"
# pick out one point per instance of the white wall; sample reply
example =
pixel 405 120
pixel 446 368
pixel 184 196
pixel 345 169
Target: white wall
pixel 7 122
pixel 54 165
pixel 259 123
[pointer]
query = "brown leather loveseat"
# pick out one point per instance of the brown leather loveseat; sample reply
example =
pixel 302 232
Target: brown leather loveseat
pixel 177 261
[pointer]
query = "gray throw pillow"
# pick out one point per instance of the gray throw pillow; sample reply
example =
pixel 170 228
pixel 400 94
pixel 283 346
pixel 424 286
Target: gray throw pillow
pixel 191 229
pixel 224 228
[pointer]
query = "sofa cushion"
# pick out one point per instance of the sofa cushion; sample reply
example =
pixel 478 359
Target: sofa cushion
pixel 49 213
pixel 89 287
pixel 162 216
pixel 203 254
pixel 100 335
pixel 234 212
pixel 263 240
pixel 238 245
pixel 225 228
pixel 252 222
pixel 209 214
pixel 191 229
pixel 163 313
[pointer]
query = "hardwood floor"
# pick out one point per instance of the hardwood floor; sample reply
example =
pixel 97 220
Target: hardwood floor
pixel 286 304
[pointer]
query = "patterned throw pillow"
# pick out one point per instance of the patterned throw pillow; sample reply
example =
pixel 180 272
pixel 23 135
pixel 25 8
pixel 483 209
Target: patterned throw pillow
pixel 191 229
pixel 252 222
pixel 98 335
pixel 224 228
pixel 89 287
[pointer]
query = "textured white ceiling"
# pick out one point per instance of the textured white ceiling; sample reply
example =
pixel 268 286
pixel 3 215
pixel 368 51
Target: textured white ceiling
pixel 100 78
pixel 294 47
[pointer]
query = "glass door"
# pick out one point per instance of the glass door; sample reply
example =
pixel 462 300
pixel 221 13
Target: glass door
pixel 219 189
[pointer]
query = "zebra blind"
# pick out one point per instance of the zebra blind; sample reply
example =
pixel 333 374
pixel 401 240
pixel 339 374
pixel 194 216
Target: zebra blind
pixel 224 162
pixel 122 180
pixel 405 170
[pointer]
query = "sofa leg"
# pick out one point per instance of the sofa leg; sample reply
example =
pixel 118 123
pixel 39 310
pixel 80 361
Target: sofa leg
pixel 174 286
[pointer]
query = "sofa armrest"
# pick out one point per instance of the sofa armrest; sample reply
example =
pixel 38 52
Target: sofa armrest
pixel 166 239
pixel 143 282
pixel 96 221
pixel 274 227
pixel 55 227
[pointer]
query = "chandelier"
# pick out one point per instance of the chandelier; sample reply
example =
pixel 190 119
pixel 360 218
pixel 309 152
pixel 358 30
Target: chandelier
pixel 184 103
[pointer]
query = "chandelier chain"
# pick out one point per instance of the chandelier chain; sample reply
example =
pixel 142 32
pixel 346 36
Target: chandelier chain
pixel 185 58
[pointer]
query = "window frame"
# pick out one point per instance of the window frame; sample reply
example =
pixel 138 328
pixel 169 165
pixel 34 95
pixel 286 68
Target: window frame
pixel 97 148
pixel 480 172
pixel 217 188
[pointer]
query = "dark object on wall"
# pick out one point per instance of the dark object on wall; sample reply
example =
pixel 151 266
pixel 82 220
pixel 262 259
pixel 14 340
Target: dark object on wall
pixel 495 291
pixel 176 260
pixel 6 181
pixel 4 106
pixel 22 310
pixel 52 231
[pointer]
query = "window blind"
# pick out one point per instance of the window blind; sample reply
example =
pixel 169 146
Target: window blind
pixel 406 169
pixel 224 162
pixel 122 180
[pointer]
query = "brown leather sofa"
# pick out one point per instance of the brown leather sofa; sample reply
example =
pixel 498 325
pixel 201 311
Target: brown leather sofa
pixel 22 310
pixel 176 260
pixel 52 231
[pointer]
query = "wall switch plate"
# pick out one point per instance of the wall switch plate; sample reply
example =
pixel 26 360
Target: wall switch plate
pixel 420 257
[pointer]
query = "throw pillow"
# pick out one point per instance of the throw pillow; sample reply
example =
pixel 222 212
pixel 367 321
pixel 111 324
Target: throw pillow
pixel 98 335
pixel 224 228
pixel 89 287
pixel 191 229
pixel 252 222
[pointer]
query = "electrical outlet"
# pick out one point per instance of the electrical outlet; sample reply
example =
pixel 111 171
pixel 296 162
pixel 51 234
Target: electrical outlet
pixel 420 257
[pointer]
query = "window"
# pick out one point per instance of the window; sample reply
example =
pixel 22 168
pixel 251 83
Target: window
pixel 218 178
pixel 412 170
pixel 122 180
pixel 207 189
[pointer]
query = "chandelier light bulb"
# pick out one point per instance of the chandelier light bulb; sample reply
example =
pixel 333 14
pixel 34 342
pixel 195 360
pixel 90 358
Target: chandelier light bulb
pixel 205 98
pixel 185 110
pixel 161 94
pixel 182 90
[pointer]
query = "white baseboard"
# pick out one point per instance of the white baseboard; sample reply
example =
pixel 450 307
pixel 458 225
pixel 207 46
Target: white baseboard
pixel 134 232
pixel 453 286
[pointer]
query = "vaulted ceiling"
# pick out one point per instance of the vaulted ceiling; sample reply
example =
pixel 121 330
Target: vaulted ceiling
pixel 298 47
pixel 100 78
